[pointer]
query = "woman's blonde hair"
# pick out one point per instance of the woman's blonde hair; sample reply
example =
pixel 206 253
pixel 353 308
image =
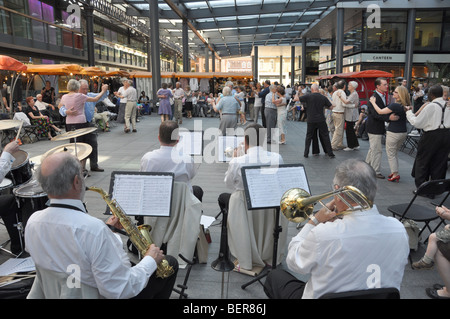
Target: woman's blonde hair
pixel 403 95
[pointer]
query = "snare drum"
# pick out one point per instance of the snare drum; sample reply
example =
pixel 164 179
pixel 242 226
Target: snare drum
pixel 21 168
pixel 30 198
pixel 6 187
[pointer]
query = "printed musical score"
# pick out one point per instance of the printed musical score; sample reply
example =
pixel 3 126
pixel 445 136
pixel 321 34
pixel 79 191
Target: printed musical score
pixel 266 185
pixel 143 195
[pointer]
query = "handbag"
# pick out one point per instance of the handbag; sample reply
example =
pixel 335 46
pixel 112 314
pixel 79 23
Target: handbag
pixel 412 229
pixel 16 289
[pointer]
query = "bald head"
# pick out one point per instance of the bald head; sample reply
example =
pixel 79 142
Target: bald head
pixel 60 176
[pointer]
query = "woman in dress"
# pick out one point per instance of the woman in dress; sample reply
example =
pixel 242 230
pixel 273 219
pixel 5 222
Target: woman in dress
pixel 279 99
pixel 396 131
pixel 164 95
pixel 43 122
pixel 351 115
pixel 188 101
pixel 258 103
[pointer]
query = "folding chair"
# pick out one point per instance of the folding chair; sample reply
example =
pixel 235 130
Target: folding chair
pixel 444 202
pixel 420 213
pixel 411 141
pixel 375 293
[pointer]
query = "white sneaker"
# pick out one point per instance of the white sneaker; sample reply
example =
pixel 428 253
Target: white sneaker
pixel 356 148
pixel 348 149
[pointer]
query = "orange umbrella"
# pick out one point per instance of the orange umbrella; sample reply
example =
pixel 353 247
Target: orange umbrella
pixel 11 64
pixel 48 69
pixel 93 71
pixel 144 74
pixel 119 73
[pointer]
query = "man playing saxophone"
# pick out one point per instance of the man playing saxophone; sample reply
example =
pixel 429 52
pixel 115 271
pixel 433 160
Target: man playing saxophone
pixel 360 251
pixel 77 255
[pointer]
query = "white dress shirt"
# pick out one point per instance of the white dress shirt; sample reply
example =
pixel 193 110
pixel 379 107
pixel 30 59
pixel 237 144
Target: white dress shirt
pixel 6 160
pixel 429 119
pixel 361 251
pixel 256 155
pixel 338 104
pixel 168 159
pixel 59 239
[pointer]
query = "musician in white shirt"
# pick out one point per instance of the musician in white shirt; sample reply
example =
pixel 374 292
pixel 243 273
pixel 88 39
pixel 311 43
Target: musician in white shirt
pixel 434 145
pixel 169 159
pixel 64 241
pixel 8 206
pixel 363 250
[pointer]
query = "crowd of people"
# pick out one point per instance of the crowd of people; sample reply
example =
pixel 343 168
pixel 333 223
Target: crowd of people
pixel 329 113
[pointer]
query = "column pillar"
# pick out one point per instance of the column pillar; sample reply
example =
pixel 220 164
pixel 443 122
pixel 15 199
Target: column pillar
pixel 255 64
pixel 340 40
pixel 292 66
pixel 185 40
pixel 89 13
pixel 410 47
pixel 155 50
pixel 303 60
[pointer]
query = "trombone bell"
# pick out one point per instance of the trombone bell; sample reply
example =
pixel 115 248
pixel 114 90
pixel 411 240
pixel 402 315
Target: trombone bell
pixel 297 205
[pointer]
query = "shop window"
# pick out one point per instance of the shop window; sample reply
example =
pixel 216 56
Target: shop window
pixel 392 34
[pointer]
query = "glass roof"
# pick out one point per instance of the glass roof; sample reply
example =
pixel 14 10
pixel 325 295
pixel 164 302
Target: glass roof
pixel 237 25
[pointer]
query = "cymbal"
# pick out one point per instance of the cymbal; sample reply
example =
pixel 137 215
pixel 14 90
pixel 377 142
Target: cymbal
pixel 9 124
pixel 73 134
pixel 83 150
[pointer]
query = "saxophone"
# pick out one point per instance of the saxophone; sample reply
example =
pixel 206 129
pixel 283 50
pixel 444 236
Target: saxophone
pixel 139 235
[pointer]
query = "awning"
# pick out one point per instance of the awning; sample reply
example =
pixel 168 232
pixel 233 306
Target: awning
pixel 144 74
pixel 54 69
pixel 118 73
pixel 11 64
pixel 93 71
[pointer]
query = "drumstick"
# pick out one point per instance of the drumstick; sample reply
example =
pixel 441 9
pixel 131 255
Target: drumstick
pixel 20 128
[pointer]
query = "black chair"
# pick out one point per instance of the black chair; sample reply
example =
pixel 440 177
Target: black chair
pixel 375 293
pixel 420 213
pixel 444 202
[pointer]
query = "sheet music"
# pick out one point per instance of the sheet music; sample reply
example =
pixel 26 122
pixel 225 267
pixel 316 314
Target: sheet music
pixel 143 195
pixel 266 185
pixel 190 143
pixel 15 265
pixel 226 143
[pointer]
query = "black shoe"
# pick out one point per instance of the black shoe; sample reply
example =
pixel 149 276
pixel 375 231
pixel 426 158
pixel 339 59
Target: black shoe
pixel 305 155
pixel 380 176
pixel 331 155
pixel 134 131
pixel 97 169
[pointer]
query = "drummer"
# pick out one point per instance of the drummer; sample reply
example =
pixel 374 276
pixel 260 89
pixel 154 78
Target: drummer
pixel 8 205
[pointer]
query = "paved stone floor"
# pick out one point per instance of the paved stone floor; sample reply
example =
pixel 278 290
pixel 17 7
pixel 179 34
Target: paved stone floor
pixel 120 151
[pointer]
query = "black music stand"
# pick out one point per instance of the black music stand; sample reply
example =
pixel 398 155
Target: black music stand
pixel 293 176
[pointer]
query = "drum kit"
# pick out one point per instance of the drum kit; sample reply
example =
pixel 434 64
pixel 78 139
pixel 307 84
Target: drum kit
pixel 28 192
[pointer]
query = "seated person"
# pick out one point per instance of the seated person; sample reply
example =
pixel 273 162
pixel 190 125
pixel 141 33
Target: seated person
pixel 47 109
pixel 103 119
pixel 44 124
pixel 362 250
pixel 8 205
pixel 167 158
pixel 250 251
pixel 145 102
pixel 104 268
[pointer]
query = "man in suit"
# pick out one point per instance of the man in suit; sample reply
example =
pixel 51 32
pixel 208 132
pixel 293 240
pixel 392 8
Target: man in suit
pixel 375 126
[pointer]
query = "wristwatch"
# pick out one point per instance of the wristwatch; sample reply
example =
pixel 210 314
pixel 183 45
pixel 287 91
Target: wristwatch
pixel 314 220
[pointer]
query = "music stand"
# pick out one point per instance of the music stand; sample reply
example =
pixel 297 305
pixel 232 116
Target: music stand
pixel 191 142
pixel 142 193
pixel 264 186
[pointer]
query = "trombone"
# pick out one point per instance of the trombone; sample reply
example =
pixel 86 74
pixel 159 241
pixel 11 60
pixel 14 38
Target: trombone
pixel 297 205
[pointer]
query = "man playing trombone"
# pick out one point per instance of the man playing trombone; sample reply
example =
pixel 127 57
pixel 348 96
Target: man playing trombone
pixel 362 250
